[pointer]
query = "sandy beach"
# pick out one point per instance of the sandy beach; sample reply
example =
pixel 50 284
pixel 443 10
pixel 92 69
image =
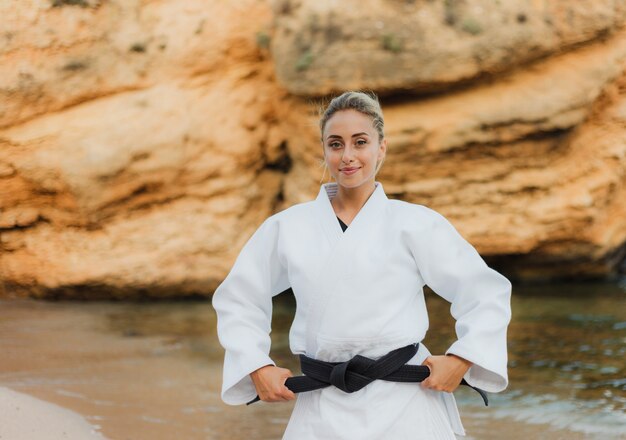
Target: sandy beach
pixel 23 417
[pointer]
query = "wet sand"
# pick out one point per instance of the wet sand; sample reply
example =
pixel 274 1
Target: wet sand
pixel 24 417
pixel 153 371
pixel 132 384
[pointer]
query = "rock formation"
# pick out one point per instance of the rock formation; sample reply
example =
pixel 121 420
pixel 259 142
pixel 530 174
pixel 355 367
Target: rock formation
pixel 142 143
pixel 413 46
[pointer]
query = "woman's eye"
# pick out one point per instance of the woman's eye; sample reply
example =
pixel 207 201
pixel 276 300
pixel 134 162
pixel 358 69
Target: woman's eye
pixel 334 145
pixel 361 142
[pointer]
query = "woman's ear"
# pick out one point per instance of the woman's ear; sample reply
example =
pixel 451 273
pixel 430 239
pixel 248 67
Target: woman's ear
pixel 382 150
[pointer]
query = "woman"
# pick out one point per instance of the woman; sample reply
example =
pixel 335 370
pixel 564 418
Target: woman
pixel 357 263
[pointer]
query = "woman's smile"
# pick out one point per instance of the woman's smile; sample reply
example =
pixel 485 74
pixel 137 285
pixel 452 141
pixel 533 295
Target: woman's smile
pixel 349 170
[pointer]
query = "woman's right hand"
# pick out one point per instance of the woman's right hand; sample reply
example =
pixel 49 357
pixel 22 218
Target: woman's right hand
pixel 269 382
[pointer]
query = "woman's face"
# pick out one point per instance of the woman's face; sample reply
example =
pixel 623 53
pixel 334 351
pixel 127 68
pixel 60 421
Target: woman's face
pixel 352 148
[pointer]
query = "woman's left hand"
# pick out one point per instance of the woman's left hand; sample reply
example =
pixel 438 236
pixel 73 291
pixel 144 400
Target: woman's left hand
pixel 446 372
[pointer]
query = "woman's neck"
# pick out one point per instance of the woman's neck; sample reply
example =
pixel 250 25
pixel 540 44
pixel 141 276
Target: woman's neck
pixel 349 201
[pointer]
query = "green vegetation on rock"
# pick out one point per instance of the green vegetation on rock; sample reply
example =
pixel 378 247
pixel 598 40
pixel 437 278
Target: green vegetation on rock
pixel 263 40
pixel 304 61
pixel 392 43
pixel 471 26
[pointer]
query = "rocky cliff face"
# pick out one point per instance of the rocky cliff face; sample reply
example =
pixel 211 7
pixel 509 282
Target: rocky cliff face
pixel 415 46
pixel 142 143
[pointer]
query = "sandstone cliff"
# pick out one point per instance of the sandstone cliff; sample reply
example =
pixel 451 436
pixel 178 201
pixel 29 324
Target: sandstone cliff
pixel 142 142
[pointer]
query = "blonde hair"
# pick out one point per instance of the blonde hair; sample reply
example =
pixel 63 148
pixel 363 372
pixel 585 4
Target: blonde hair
pixel 366 103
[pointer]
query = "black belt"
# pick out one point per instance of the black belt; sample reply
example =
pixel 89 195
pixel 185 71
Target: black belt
pixel 358 372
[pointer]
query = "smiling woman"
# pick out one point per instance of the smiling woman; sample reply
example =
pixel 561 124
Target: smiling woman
pixel 354 146
pixel 365 113
pixel 346 152
pixel 357 263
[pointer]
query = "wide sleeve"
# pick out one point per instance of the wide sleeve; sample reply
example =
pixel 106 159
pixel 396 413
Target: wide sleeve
pixel 243 302
pixel 480 298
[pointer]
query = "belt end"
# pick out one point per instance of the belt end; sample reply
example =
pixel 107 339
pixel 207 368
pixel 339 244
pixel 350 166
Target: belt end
pixel 256 399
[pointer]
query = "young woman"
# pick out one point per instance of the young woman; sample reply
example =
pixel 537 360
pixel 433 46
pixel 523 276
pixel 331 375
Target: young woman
pixel 357 263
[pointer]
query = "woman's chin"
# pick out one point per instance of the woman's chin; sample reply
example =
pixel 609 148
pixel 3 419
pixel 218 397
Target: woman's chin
pixel 351 181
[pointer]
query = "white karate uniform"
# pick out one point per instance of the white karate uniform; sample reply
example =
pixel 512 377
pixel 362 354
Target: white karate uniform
pixel 361 292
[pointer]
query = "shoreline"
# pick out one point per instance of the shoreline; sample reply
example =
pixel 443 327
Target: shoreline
pixel 153 371
pixel 23 416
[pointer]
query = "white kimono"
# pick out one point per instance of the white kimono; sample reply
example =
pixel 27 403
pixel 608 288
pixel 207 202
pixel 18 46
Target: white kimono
pixel 360 292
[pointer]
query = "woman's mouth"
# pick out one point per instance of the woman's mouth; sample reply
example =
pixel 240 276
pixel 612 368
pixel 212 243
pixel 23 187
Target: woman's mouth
pixel 349 171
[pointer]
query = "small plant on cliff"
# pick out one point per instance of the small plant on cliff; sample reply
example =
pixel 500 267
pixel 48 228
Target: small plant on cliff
pixel 305 60
pixel 471 26
pixel 263 40
pixel 392 43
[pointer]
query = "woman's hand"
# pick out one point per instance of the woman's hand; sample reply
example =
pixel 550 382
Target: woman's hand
pixel 446 372
pixel 269 382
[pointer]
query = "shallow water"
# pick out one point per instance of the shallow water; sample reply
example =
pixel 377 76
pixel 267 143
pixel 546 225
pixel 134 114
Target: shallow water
pixel 567 362
pixel 153 371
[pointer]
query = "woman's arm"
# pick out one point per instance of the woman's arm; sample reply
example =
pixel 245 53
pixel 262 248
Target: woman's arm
pixel 243 302
pixel 479 297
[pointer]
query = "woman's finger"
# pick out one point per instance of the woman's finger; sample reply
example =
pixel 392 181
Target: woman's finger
pixel 287 393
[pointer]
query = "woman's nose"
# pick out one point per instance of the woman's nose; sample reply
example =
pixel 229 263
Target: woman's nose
pixel 348 153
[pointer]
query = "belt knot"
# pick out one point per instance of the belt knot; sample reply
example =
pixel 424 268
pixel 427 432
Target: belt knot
pixel 338 376
pixel 358 372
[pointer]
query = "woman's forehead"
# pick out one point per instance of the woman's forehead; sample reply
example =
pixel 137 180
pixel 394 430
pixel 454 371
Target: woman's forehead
pixel 348 122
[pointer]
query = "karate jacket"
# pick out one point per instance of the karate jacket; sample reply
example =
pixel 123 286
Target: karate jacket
pixel 361 292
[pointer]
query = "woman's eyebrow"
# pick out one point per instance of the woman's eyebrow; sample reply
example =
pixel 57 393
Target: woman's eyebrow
pixel 336 136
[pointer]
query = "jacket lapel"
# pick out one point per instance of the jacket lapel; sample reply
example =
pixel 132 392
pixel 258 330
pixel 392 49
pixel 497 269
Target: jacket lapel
pixel 342 245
